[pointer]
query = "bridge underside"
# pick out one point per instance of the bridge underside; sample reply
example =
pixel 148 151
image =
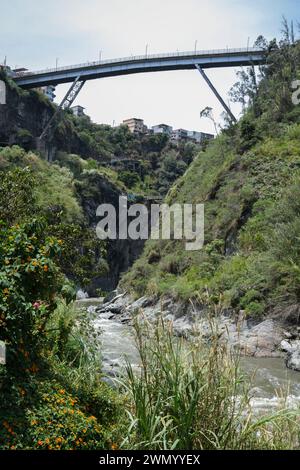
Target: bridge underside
pixel 101 70
pixel 79 74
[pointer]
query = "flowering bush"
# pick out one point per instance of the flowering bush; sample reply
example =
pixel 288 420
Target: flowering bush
pixel 29 281
pixel 60 423
pixel 49 417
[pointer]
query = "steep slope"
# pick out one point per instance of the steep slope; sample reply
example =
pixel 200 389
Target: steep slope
pixel 249 181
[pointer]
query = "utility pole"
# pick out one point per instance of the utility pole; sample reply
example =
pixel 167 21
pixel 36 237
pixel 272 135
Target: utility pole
pixel 56 62
pixel 196 42
pixel 146 50
pixel 100 56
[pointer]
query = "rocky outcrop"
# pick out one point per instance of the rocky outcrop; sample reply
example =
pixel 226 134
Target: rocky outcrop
pixel 23 111
pixel 24 117
pixel 94 189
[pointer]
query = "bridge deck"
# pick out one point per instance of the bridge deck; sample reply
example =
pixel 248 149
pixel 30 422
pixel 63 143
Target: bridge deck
pixel 141 64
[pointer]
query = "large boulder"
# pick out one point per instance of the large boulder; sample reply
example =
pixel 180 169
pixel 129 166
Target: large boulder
pixel 263 340
pixel 293 360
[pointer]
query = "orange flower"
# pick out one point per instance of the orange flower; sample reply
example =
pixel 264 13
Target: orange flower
pixel 40 443
pixel 62 391
pixel 114 446
pixel 34 368
pixel 58 440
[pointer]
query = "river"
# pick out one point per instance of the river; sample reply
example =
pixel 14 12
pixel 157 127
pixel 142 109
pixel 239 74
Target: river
pixel 270 377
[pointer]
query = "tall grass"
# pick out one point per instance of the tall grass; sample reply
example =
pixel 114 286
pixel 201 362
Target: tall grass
pixel 194 396
pixel 74 346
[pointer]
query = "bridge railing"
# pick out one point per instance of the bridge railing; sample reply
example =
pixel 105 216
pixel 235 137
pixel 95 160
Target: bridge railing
pixel 137 58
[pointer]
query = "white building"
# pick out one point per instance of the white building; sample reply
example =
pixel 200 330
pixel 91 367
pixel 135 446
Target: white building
pixel 135 125
pixel 179 134
pixel 162 129
pixel 49 91
pixel 78 111
pixel 199 137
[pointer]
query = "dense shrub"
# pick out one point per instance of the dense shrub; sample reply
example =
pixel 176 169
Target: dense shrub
pixel 42 414
pixel 29 282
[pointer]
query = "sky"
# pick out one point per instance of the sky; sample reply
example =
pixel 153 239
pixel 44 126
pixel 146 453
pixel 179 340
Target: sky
pixel 37 33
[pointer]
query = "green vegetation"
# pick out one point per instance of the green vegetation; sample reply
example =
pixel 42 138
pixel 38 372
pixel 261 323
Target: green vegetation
pixel 58 401
pixel 194 396
pixel 31 187
pixel 52 396
pixel 248 179
pixel 186 395
pixel 158 162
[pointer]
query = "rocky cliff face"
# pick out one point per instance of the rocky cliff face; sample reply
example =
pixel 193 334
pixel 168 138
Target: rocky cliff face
pixel 23 117
pixel 95 189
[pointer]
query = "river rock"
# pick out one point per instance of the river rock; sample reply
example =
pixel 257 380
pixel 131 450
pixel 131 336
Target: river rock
pixel 81 294
pixel 293 360
pixel 259 339
pixel 112 295
pixel 142 302
pixel 285 346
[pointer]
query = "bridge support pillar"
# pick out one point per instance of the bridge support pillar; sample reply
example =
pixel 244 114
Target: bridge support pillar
pixel 218 96
pixel 67 101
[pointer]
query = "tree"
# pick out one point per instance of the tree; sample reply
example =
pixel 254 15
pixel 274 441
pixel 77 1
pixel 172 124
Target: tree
pixel 261 43
pixel 208 113
pixel 129 178
pixel 287 31
pixel 17 199
pixel 29 281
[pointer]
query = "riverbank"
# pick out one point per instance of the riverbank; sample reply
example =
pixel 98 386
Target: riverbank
pixel 273 385
pixel 158 376
pixel 267 338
